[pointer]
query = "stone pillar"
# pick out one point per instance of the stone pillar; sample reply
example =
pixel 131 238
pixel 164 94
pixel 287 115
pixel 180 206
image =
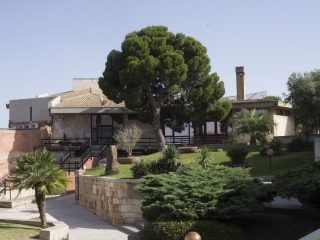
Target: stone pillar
pixel 76 184
pixel 240 84
pixel 317 148
pixel 111 167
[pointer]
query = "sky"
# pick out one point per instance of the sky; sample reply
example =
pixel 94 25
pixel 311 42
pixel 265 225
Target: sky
pixel 44 44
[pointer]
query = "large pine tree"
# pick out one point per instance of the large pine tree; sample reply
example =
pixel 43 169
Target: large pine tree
pixel 158 70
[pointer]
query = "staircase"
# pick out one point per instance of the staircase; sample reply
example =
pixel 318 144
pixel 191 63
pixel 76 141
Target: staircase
pixel 5 187
pixel 74 160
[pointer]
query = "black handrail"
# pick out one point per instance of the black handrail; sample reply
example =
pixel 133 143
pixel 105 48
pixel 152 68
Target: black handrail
pixel 66 156
pixel 4 183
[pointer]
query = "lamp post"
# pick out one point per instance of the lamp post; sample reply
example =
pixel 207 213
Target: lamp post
pixel 270 153
pixel 193 236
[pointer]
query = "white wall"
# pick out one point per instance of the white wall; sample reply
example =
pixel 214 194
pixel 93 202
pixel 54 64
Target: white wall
pixel 284 125
pixel 19 110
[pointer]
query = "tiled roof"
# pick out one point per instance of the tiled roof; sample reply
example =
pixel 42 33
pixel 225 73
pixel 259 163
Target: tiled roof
pixel 84 99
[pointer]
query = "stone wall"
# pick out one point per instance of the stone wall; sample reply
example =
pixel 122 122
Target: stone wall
pixel 113 200
pixel 16 142
pixel 71 125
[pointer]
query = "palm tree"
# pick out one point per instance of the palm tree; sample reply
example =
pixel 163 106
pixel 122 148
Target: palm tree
pixel 255 123
pixel 39 170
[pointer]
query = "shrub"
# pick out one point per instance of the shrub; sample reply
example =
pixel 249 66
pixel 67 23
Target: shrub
pixel 299 144
pixel 168 163
pixel 128 137
pixel 275 145
pixel 302 183
pixel 263 150
pixel 197 193
pixel 204 157
pixel 170 158
pixel 237 153
pixel 176 230
pixel 140 169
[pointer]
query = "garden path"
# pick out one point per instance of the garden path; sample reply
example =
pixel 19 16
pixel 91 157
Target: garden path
pixel 83 224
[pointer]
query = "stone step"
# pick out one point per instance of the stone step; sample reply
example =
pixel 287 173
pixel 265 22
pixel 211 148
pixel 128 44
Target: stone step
pixel 15 202
pixel 128 228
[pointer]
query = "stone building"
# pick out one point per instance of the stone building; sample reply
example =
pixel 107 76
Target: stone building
pixel 280 111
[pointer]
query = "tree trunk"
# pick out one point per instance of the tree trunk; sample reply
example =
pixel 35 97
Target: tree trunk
pixel 157 128
pixel 40 200
pixel 156 106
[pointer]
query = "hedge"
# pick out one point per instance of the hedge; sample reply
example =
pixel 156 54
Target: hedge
pixel 176 230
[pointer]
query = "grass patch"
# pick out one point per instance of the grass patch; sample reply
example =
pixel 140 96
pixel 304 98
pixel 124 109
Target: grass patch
pixel 124 171
pixel 12 231
pixel 284 162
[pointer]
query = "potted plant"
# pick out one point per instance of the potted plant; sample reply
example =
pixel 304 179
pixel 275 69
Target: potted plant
pixel 127 139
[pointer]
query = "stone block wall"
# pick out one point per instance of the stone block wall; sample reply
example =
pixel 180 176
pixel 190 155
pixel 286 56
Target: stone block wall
pixel 113 200
pixel 71 125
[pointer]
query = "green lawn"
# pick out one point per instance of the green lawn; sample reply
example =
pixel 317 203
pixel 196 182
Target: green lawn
pixel 12 231
pixel 260 164
pixel 284 162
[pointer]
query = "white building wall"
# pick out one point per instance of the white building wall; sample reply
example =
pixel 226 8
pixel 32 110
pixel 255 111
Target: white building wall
pixel 284 125
pixel 19 110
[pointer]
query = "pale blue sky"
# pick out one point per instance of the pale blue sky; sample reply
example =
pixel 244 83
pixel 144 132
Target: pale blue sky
pixel 44 44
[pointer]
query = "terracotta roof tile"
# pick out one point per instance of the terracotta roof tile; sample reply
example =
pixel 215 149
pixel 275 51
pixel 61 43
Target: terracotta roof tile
pixel 86 98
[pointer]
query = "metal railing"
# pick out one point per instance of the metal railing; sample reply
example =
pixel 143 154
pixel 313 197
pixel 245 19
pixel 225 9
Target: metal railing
pixel 64 143
pixel 5 186
pixel 82 149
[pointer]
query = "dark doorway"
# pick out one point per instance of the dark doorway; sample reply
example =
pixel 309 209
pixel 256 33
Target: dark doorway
pixel 101 129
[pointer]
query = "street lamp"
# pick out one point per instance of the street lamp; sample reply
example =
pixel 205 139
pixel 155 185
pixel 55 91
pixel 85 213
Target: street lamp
pixel 270 153
pixel 193 236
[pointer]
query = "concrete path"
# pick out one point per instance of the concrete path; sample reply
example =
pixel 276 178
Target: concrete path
pixel 82 223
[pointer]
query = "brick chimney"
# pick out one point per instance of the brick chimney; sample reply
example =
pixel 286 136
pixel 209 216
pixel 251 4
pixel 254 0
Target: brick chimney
pixel 240 83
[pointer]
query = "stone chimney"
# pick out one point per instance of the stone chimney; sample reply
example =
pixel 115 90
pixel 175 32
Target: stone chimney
pixel 240 84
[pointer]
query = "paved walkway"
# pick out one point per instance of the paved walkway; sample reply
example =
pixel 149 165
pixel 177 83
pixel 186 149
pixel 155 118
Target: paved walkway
pixel 83 224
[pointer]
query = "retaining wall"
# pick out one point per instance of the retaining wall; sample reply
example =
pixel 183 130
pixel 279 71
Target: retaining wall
pixel 113 200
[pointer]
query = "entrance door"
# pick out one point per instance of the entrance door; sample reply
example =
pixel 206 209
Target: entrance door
pixel 104 134
pixel 101 129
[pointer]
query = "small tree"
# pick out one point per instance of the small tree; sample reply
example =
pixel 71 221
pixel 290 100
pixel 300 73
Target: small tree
pixel 128 137
pixel 39 170
pixel 255 123
pixel 304 94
